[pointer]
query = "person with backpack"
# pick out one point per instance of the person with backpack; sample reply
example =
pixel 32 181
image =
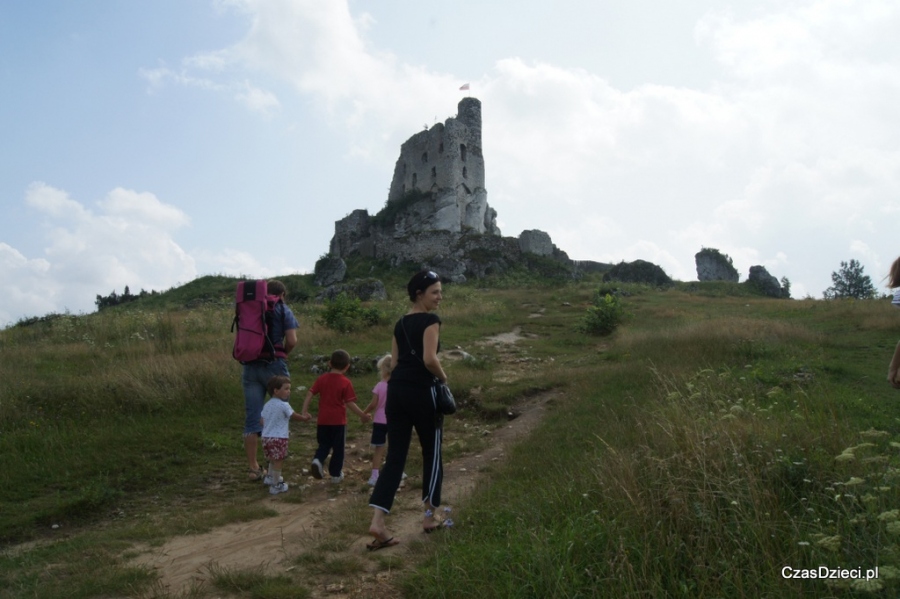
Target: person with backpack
pixel 277 326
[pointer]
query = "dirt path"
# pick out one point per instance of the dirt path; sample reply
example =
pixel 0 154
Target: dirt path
pixel 273 543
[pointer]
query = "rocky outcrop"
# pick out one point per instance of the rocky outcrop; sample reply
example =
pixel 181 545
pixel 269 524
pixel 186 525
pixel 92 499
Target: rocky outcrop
pixel 639 271
pixel 767 284
pixel 363 289
pixel 712 265
pixel 329 270
pixel 536 242
pixel 590 266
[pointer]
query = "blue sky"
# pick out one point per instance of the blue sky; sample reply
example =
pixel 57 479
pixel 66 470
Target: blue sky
pixel 148 143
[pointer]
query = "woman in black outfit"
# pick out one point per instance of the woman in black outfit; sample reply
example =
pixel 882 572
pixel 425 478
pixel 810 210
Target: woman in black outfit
pixel 411 405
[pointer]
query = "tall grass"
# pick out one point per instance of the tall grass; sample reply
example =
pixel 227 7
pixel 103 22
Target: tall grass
pixel 712 455
pixel 709 442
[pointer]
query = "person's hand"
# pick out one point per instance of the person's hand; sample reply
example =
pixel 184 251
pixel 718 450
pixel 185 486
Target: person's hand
pixel 365 418
pixel 305 416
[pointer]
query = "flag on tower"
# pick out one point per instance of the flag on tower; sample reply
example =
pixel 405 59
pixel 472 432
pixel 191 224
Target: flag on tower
pixel 466 86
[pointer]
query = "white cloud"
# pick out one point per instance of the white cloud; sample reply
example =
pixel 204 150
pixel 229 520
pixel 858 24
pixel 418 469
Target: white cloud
pixel 785 160
pixel 258 100
pixel 128 242
pixel 143 207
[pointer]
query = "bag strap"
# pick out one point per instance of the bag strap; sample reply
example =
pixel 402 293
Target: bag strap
pixel 412 350
pixel 408 342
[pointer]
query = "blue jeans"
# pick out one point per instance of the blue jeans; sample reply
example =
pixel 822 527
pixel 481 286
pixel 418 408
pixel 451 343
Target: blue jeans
pixel 254 378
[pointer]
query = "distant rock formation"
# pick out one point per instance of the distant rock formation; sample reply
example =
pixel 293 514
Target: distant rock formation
pixel 766 283
pixel 590 266
pixel 437 211
pixel 712 265
pixel 363 289
pixel 639 271
pixel 329 271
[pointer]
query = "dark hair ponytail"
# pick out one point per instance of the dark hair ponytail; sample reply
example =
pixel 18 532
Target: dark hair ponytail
pixel 421 281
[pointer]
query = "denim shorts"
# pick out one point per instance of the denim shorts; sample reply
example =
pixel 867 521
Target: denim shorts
pixel 254 378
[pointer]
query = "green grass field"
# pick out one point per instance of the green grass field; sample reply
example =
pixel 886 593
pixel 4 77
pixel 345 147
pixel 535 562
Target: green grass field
pixel 714 439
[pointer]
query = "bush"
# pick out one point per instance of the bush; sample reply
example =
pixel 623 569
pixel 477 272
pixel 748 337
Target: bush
pixel 604 316
pixel 850 282
pixel 346 314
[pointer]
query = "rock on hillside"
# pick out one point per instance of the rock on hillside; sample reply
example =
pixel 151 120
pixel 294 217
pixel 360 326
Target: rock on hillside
pixel 712 265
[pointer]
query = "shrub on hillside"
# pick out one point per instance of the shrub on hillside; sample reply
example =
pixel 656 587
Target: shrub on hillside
pixel 345 314
pixel 604 316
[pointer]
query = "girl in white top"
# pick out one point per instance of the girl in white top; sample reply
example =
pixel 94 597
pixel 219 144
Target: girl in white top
pixel 276 418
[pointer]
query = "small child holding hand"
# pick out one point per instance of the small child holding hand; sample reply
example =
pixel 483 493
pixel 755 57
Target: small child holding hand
pixel 276 417
pixel 379 421
pixel 336 395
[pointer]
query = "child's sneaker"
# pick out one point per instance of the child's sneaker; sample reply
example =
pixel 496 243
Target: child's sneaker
pixel 281 487
pixel 267 480
pixel 337 479
pixel 372 480
pixel 317 470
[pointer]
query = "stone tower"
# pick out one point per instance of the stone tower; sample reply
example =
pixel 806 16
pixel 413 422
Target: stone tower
pixel 446 163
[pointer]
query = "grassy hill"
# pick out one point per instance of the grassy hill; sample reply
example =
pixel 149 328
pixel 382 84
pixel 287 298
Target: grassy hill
pixel 715 438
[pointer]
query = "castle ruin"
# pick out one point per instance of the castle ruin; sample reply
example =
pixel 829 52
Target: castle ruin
pixel 437 211
pixel 446 163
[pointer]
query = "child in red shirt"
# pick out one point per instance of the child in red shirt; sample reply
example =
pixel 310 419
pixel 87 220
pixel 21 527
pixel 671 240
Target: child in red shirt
pixel 336 394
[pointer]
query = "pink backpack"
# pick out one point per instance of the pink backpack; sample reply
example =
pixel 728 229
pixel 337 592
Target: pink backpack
pixel 253 312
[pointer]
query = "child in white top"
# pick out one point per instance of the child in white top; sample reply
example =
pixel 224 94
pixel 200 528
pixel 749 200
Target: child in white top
pixel 276 417
pixel 379 426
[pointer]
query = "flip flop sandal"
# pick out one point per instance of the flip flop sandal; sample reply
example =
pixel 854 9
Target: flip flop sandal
pixel 256 475
pixel 379 544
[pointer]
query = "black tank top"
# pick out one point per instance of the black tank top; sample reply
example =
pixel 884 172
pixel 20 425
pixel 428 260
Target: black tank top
pixel 410 368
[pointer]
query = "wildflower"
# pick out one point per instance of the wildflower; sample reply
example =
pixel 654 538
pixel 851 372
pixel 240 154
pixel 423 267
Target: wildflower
pixel 861 584
pixel 888 572
pixel 854 480
pixel 873 433
pixel 803 543
pixel 830 543
pixel 845 457
pixel 893 527
pixel 889 516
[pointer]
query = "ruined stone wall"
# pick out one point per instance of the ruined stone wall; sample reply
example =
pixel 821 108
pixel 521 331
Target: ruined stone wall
pixel 448 223
pixel 446 161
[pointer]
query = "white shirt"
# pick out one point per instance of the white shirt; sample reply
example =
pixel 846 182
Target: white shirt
pixel 276 415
